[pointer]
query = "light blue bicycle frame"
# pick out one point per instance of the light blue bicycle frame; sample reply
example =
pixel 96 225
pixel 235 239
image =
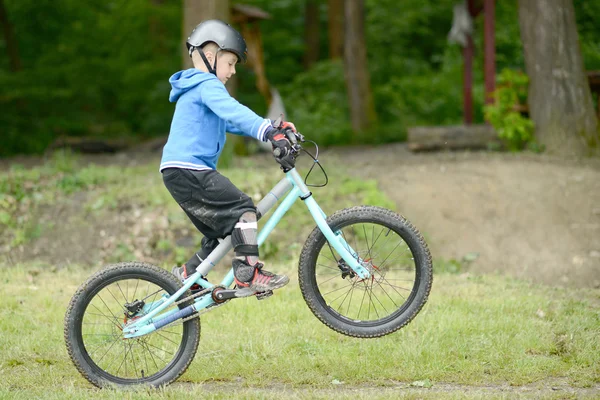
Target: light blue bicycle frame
pixel 294 186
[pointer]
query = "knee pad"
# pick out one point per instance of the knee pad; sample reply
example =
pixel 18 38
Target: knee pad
pixel 243 237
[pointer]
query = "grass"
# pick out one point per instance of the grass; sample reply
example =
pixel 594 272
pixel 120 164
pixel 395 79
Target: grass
pixel 475 330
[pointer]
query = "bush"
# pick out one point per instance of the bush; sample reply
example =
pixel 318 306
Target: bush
pixel 316 102
pixel 512 127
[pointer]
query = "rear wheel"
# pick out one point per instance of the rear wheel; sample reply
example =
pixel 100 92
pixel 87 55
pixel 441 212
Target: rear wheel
pixel 95 318
pixel 396 255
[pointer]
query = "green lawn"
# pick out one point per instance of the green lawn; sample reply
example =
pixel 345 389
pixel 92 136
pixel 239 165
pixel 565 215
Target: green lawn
pixel 475 330
pixel 477 337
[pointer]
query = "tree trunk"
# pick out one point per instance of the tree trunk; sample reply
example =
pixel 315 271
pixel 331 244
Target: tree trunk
pixel 358 84
pixel 336 29
pixel 12 49
pixel 311 33
pixel 560 101
pixel 157 30
pixel 256 61
pixel 196 11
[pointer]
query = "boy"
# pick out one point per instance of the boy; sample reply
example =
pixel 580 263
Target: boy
pixel 203 113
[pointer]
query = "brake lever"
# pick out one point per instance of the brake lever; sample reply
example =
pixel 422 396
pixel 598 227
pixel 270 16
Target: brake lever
pixel 291 136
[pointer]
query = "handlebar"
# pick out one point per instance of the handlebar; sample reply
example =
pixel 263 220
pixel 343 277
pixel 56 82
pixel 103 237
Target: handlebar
pixel 295 139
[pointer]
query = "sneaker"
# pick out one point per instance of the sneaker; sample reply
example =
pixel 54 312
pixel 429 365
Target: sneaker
pixel 262 281
pixel 182 275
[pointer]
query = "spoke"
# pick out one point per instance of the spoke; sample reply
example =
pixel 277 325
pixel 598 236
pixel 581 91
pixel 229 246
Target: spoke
pixel 388 236
pixel 98 334
pixel 371 298
pixel 397 279
pixel 389 297
pixel 113 319
pixel 370 301
pixel 378 235
pixel 117 301
pixel 382 265
pixel 372 234
pixel 396 287
pixel 361 304
pixel 147 290
pixel 331 250
pixel 367 240
pixel 163 336
pixel 333 277
pixel 141 343
pixel 102 344
pixel 330 259
pixel 333 301
pixel 379 301
pixel 394 249
pixel 111 346
pixel 409 269
pixel 154 300
pixel 122 362
pixel 101 315
pixel 331 268
pixel 350 301
pixel 135 290
pixel 158 348
pixel 347 244
pixel 335 290
pixel 145 344
pixel 151 294
pixel 122 294
pixel 171 332
pixel 133 359
pixel 126 362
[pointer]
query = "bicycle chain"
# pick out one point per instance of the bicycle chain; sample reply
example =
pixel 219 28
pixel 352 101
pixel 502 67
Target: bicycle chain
pixel 197 313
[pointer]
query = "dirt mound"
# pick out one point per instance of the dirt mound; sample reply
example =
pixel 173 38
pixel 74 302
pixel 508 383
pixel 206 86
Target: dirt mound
pixel 526 215
pixel 530 216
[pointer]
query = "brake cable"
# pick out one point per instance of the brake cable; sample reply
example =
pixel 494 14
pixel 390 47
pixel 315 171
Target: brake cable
pixel 315 161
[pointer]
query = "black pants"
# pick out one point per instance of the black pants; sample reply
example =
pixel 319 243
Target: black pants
pixel 211 201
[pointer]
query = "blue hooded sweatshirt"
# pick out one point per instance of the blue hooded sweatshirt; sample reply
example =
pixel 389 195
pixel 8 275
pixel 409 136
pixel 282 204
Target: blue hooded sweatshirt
pixel 203 113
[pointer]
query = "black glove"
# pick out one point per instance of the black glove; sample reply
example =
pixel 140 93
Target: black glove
pixel 282 149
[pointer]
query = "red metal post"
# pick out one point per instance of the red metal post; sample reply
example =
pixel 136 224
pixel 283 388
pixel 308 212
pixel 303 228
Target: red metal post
pixel 490 49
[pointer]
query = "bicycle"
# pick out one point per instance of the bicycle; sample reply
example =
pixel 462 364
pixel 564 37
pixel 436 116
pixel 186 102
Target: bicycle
pixel 133 323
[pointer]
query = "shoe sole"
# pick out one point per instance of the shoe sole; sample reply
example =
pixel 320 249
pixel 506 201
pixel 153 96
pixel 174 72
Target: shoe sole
pixel 249 291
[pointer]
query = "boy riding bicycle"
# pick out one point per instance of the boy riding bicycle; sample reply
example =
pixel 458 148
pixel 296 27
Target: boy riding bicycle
pixel 203 113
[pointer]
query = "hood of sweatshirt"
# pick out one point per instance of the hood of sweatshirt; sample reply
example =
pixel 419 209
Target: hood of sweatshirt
pixel 186 80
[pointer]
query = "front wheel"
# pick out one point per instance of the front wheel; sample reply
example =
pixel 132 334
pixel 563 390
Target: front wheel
pixel 395 254
pixel 94 328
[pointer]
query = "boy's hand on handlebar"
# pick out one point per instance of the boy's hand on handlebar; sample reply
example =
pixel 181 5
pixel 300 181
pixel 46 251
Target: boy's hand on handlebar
pixel 282 148
pixel 288 125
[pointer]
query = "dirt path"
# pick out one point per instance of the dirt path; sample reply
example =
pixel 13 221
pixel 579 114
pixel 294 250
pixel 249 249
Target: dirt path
pixel 527 215
pixel 540 389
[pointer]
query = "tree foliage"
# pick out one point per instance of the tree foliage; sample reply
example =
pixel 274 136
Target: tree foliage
pixel 102 68
pixel 511 126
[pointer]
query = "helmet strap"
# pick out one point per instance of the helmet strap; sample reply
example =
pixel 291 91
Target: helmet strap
pixel 210 69
pixel 208 66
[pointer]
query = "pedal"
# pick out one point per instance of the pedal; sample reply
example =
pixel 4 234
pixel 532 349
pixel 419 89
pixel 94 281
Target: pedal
pixel 264 295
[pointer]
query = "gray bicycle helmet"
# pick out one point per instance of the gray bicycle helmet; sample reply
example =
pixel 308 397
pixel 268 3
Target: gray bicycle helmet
pixel 221 33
